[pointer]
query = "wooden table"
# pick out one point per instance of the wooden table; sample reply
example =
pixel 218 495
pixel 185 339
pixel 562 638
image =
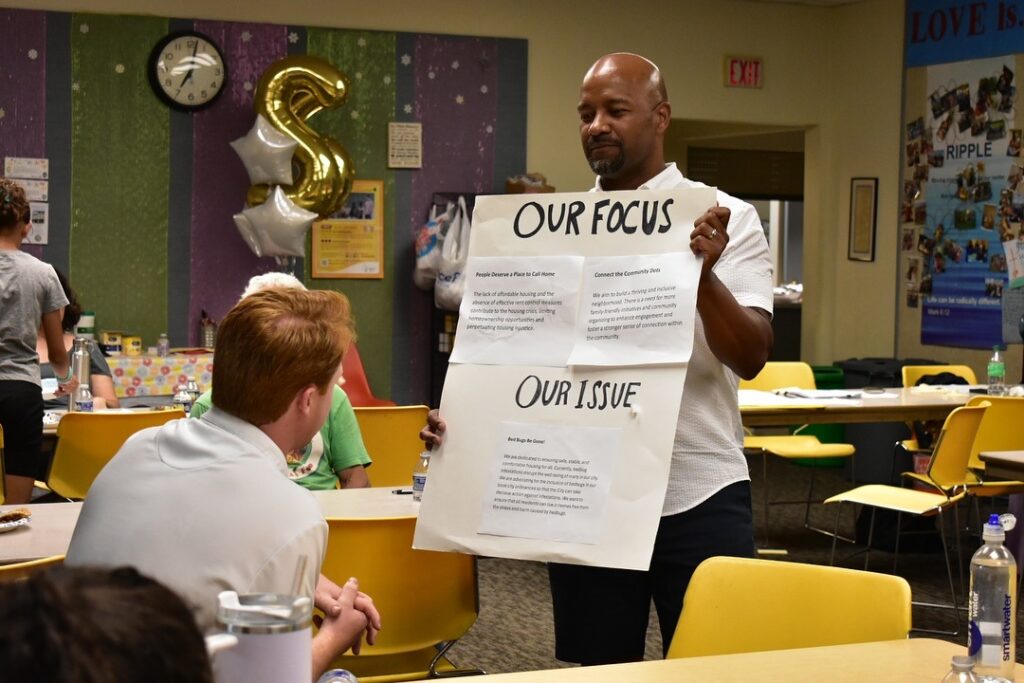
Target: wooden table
pixel 49 532
pixel 891 661
pixel 1003 464
pixel 909 404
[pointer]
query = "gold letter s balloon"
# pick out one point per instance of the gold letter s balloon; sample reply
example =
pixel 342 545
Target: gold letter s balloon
pixel 291 91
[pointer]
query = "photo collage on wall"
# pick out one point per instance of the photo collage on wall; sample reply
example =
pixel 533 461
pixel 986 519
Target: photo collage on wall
pixel 963 199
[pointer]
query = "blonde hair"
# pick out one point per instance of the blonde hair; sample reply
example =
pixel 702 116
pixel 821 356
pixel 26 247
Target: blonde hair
pixel 273 344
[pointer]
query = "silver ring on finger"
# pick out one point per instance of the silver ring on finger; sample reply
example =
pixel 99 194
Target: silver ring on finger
pixel 714 233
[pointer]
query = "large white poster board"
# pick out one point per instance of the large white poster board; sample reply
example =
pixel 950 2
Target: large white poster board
pixel 562 396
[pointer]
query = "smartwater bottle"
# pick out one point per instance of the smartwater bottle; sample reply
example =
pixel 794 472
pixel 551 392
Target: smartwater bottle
pixel 992 605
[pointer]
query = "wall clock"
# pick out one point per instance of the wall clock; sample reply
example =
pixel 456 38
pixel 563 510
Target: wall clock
pixel 187 70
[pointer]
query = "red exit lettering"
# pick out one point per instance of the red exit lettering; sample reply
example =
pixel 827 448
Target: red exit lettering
pixel 743 72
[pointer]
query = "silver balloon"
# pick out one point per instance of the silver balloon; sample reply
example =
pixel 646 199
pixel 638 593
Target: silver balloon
pixel 266 153
pixel 277 227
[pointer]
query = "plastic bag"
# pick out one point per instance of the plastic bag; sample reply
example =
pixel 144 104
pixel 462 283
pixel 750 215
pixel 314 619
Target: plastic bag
pixel 428 247
pixel 451 269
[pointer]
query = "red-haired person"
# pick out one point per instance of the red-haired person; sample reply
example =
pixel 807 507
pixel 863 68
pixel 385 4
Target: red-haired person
pixel 205 505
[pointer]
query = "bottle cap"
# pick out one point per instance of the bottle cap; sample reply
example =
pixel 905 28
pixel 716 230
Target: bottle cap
pixel 994 529
pixel 425 455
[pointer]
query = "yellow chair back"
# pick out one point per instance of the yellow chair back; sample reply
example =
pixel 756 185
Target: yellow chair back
pixel 912 373
pixel 737 605
pixel 19 571
pixel 391 436
pixel 425 597
pixel 87 441
pixel 948 467
pixel 779 374
pixel 1000 429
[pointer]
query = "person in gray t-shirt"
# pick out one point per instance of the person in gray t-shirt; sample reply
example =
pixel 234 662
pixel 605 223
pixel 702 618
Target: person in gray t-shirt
pixel 30 296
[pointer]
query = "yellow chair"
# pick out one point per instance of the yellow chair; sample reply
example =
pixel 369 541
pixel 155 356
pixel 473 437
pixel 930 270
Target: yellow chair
pixel 946 474
pixel 392 438
pixel 736 604
pixel 428 599
pixel 19 571
pixel 87 441
pixel 913 373
pixel 794 447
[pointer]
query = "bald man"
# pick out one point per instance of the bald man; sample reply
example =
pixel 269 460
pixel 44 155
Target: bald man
pixel 601 614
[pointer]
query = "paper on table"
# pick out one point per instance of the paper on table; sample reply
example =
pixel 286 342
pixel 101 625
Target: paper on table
pixel 637 310
pixel 511 303
pixel 550 482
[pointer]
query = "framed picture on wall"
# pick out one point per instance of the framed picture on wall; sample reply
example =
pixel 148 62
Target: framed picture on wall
pixel 349 244
pixel 863 210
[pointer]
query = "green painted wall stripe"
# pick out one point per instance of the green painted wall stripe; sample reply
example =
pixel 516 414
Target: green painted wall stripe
pixel 361 126
pixel 120 165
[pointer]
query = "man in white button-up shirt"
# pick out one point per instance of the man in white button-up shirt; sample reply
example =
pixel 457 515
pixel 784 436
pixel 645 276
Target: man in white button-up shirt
pixel 206 505
pixel 601 614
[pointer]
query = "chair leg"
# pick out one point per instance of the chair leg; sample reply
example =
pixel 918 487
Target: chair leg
pixel 871 538
pixel 810 495
pixel 432 672
pixel 764 469
pixel 896 545
pixel 952 590
pixel 959 547
pixel 835 535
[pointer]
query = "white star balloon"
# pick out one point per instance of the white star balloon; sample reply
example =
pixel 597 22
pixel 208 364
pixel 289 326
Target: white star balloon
pixel 276 227
pixel 266 153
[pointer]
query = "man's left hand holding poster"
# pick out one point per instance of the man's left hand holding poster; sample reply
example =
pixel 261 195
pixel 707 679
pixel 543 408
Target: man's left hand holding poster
pixel 562 396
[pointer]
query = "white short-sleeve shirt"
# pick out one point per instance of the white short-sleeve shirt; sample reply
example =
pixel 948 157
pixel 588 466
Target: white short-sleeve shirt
pixel 707 454
pixel 203 506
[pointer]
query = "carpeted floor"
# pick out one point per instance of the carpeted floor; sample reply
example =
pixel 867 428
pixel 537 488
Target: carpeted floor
pixel 514 631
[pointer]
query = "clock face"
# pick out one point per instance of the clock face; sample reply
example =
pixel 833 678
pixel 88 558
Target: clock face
pixel 187 70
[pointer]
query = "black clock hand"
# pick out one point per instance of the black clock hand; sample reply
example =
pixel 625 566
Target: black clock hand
pixel 191 67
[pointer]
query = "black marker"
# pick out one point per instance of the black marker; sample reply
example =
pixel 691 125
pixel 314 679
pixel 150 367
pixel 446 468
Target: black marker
pixel 402 492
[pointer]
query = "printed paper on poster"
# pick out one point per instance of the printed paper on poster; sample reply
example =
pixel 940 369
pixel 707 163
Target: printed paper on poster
pixel 518 311
pixel 550 482
pixel 637 310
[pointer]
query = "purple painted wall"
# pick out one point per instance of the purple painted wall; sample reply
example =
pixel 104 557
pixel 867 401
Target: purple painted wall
pixel 221 261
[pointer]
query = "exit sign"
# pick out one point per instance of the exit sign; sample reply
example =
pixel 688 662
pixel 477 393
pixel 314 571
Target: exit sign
pixel 743 72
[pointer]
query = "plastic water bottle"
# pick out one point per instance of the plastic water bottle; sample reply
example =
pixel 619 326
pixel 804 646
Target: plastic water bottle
pixel 163 345
pixel 996 373
pixel 338 676
pixel 182 399
pixel 419 475
pixel 192 388
pixel 82 399
pixel 961 671
pixel 992 605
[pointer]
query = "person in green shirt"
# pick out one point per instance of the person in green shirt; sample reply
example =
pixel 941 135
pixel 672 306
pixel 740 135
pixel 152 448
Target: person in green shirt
pixel 336 457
